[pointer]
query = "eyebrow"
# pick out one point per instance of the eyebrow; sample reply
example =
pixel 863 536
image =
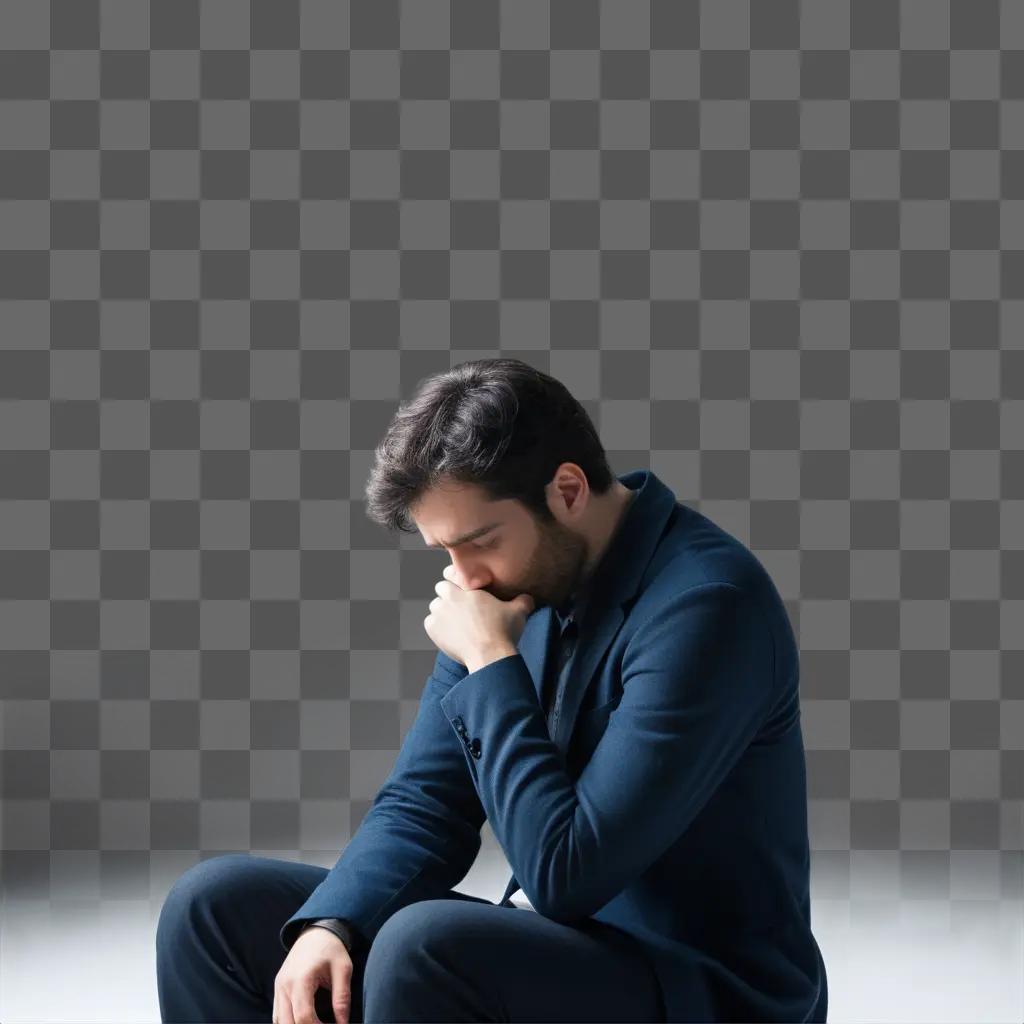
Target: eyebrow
pixel 472 535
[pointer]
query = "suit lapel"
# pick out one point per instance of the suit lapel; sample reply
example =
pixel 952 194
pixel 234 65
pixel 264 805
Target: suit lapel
pixel 533 644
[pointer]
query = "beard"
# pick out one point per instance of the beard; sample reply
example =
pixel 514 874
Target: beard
pixel 555 569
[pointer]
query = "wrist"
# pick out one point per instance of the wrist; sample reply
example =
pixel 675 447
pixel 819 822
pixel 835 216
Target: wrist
pixel 491 652
pixel 337 927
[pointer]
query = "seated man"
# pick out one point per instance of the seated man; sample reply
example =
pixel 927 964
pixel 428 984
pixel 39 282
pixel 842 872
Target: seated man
pixel 615 691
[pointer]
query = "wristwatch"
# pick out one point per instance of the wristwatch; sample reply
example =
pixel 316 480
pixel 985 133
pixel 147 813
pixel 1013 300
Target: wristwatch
pixel 339 927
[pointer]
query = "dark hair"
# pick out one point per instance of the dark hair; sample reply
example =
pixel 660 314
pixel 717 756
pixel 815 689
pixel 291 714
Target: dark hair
pixel 499 423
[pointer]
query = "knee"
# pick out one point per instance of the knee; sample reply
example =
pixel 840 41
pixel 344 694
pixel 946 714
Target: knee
pixel 402 963
pixel 417 958
pixel 406 936
pixel 197 888
pixel 412 924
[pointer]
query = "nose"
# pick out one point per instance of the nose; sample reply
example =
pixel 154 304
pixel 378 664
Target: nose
pixel 471 579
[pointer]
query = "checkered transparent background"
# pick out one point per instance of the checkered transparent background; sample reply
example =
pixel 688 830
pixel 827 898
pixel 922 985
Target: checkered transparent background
pixel 776 249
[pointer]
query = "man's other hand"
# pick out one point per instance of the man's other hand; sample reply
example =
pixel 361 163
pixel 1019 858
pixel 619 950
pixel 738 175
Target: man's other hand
pixel 317 959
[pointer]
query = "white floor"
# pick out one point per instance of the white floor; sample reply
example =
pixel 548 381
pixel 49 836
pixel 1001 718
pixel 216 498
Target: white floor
pixel 68 957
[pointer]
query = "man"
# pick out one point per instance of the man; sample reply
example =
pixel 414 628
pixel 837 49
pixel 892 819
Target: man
pixel 615 691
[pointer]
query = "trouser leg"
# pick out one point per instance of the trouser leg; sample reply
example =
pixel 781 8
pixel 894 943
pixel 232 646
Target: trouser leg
pixel 442 960
pixel 218 947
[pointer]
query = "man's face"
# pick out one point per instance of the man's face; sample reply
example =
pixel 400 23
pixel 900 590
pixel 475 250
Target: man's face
pixel 519 555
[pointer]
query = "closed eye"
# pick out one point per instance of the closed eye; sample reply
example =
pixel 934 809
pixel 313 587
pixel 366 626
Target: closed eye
pixel 484 547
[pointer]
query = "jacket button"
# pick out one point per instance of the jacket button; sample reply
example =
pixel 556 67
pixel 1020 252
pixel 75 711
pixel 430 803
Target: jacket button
pixel 474 748
pixel 458 723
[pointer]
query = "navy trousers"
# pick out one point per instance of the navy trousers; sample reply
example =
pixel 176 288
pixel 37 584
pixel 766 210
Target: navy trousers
pixel 458 958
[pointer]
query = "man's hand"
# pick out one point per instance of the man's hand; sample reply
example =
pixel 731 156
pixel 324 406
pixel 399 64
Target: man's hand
pixel 473 626
pixel 317 959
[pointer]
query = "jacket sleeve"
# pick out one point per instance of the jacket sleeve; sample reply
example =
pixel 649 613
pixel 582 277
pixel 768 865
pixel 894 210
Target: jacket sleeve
pixel 420 835
pixel 697 678
pixel 338 926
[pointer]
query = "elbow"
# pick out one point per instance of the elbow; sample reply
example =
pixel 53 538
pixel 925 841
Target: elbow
pixel 561 892
pixel 559 916
pixel 562 913
pixel 560 907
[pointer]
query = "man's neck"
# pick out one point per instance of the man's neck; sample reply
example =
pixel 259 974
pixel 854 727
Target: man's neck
pixel 623 497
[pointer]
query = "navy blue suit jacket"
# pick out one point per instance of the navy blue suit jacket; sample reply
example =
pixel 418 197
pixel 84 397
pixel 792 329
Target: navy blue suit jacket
pixel 678 813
